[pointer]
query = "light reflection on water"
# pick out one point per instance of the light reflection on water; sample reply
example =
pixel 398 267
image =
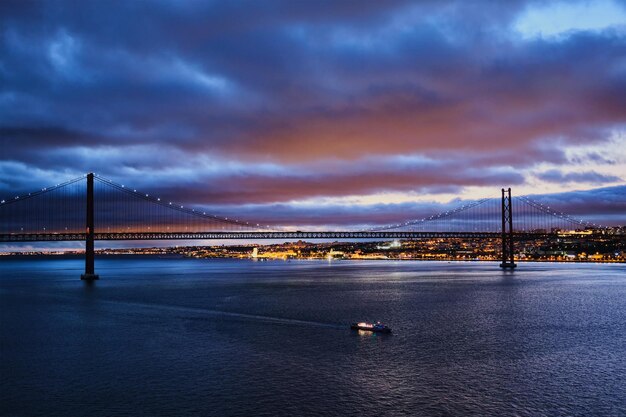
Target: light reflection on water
pixel 231 337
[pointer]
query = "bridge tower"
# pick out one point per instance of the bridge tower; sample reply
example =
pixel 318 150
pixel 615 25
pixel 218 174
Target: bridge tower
pixel 507 230
pixel 89 274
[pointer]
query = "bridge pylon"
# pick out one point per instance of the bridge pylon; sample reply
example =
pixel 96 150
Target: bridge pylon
pixel 508 261
pixel 89 274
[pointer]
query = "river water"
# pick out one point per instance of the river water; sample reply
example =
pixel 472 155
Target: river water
pixel 178 336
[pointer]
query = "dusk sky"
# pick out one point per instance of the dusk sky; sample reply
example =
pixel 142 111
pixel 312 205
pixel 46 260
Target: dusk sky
pixel 319 112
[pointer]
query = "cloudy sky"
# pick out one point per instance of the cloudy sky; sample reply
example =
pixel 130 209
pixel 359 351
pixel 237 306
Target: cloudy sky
pixel 314 112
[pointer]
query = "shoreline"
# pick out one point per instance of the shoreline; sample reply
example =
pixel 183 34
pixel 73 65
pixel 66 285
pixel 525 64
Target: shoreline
pixel 181 256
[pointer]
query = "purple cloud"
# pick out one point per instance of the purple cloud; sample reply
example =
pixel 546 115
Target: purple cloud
pixel 592 177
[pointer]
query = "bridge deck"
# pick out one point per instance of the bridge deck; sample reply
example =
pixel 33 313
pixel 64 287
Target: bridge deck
pixel 42 237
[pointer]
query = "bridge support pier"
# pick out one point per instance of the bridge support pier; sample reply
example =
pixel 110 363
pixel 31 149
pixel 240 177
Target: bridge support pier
pixel 508 261
pixel 89 274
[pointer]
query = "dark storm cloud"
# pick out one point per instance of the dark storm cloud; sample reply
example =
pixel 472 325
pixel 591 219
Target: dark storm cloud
pixel 31 143
pixel 165 94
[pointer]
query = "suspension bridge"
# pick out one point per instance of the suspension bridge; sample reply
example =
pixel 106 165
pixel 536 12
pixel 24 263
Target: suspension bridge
pixel 92 207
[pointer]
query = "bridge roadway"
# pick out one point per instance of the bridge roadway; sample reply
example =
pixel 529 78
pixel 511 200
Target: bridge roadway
pixel 298 235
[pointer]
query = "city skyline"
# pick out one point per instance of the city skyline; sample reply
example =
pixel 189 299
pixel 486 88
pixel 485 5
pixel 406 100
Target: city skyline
pixel 328 114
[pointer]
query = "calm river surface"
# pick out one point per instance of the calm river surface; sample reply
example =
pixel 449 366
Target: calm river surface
pixel 236 337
